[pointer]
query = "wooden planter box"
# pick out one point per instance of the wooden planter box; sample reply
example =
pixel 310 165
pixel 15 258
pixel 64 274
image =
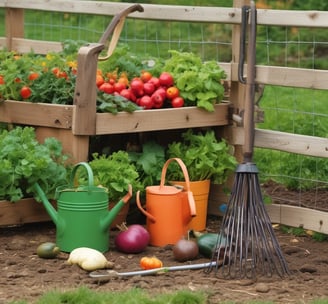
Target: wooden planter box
pixel 24 211
pixel 74 125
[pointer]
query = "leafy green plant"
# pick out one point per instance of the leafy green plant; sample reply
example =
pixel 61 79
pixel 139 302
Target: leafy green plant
pixel 149 163
pixel 115 172
pixel 199 82
pixel 24 161
pixel 204 156
pixel 115 103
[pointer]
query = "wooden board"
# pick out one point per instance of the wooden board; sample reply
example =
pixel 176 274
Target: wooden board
pixel 36 114
pixel 299 217
pixel 282 141
pixel 22 212
pixel 162 119
pixel 76 146
pixel 312 18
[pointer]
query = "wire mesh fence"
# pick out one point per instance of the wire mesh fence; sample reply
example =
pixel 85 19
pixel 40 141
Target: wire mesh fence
pixel 287 109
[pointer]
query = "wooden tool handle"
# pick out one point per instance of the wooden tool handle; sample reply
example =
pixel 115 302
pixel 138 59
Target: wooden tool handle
pixel 250 88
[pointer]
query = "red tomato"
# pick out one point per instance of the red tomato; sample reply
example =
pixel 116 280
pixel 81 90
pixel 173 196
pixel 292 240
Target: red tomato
pixel 55 71
pixel 157 100
pixel 146 102
pixel 25 92
pixel 149 88
pixel 161 91
pixel 107 88
pixel 166 79
pixel 119 86
pixel 99 80
pixel 177 102
pixel 2 80
pixel 172 92
pixel 137 87
pixel 127 93
pixel 155 81
pixel 146 76
pixel 33 76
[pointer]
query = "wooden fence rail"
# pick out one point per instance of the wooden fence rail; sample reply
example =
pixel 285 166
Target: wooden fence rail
pixel 268 75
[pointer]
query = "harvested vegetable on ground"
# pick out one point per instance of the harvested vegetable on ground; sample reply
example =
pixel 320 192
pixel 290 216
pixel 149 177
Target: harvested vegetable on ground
pixel 185 250
pixel 207 242
pixel 132 239
pixel 47 250
pixel 88 259
pixel 150 263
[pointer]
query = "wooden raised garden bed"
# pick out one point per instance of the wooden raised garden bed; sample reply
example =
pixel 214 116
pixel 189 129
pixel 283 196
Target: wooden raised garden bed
pixel 75 124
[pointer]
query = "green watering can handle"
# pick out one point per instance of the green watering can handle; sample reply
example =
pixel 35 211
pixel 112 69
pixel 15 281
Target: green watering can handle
pixel 89 171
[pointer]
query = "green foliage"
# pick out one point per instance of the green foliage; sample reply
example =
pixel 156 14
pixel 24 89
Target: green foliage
pixel 110 103
pixel 199 83
pixel 24 162
pixel 149 163
pixel 124 60
pixel 204 156
pixel 300 111
pixel 115 172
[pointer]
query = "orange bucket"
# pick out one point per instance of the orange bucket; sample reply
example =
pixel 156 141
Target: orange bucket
pixel 200 190
pixel 169 209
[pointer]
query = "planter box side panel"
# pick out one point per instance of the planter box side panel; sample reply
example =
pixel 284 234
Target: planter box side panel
pixel 217 197
pixel 76 146
pixel 22 212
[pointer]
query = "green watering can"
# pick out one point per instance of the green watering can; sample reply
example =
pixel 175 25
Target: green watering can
pixel 82 217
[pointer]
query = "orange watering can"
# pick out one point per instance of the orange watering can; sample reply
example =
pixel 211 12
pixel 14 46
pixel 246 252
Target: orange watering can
pixel 169 209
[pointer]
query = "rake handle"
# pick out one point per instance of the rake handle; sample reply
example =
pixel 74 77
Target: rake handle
pixel 249 127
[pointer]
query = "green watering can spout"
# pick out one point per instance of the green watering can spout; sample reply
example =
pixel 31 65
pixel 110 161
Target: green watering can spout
pixel 111 215
pixel 50 209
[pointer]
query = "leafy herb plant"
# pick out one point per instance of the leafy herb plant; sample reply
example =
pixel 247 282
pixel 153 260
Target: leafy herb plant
pixel 149 163
pixel 199 83
pixel 204 156
pixel 24 161
pixel 115 172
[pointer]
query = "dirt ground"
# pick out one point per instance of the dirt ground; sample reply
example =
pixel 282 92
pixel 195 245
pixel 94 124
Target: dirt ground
pixel 26 276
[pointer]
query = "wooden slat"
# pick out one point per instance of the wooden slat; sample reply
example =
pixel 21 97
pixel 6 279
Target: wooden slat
pixel 22 45
pixel 296 18
pixel 21 212
pixel 292 77
pixel 282 141
pixel 151 12
pixel 163 119
pixel 311 18
pixel 299 217
pixel 287 77
pixel 75 146
pixel 36 114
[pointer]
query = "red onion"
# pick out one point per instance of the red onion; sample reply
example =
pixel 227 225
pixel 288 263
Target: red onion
pixel 132 239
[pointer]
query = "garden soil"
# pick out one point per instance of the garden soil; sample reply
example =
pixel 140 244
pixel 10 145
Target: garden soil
pixel 26 276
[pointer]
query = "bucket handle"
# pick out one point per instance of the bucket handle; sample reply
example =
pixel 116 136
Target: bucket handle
pixel 183 167
pixel 89 172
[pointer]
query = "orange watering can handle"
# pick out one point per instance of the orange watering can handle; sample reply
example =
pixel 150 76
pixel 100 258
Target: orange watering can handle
pixel 147 214
pixel 89 172
pixel 187 180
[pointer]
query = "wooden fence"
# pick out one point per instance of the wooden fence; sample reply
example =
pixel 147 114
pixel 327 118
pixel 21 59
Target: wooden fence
pixel 232 130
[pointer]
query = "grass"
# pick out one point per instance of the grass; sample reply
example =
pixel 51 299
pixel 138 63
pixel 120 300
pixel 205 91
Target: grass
pixel 85 295
pixel 300 111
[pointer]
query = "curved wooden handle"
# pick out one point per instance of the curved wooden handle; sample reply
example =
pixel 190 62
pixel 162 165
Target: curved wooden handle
pixel 115 27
